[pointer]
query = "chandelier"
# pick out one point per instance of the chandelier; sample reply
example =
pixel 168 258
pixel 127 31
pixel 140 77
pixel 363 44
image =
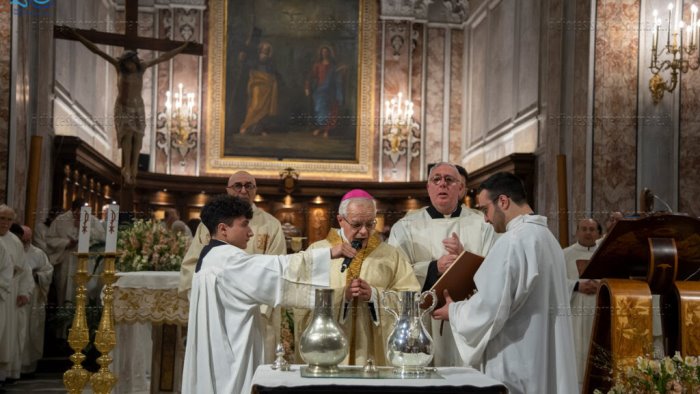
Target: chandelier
pixel 681 43
pixel 177 125
pixel 401 132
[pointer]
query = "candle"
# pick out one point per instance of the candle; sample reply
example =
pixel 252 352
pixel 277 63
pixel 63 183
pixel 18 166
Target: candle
pixel 656 42
pixel 689 35
pixel 112 228
pixel 693 22
pixel 654 32
pixel 84 230
pixel 668 38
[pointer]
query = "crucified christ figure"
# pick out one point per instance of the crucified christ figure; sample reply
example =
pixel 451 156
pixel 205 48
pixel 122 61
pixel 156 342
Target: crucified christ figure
pixel 129 111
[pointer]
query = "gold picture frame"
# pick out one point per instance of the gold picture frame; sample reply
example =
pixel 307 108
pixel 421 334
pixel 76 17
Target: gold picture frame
pixel 361 166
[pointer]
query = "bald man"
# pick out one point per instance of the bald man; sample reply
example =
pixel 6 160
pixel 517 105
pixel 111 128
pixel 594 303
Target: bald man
pixel 268 238
pixel 583 296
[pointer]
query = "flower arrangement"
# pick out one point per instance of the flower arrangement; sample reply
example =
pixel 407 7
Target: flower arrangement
pixel 669 375
pixel 148 246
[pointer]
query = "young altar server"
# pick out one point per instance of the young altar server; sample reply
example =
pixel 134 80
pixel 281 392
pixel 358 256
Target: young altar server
pixel 224 339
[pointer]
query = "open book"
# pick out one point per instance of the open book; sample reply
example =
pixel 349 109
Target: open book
pixel 458 279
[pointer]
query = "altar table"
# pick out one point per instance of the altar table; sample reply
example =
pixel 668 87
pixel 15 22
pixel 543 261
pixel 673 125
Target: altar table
pixel 456 380
pixel 150 323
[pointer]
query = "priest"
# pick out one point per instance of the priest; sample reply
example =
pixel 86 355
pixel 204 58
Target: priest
pixel 224 338
pixel 62 240
pixel 377 266
pixel 15 302
pixel 42 272
pixel 518 325
pixel 583 293
pixel 432 238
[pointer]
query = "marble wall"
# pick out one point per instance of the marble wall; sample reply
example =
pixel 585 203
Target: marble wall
pixel 615 106
pixel 503 75
pixel 85 84
pixel 30 110
pixel 5 51
pixel 180 24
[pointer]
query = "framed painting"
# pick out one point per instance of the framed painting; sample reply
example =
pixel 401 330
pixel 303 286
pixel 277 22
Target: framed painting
pixel 291 84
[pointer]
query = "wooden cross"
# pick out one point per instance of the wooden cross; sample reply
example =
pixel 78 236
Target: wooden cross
pixel 129 41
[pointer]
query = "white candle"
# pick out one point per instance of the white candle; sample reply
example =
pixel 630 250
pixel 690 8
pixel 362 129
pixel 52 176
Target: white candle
pixel 688 35
pixel 693 22
pixel 112 228
pixel 668 38
pixel 654 31
pixel 84 230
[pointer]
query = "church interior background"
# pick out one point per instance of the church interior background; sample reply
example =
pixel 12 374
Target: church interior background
pixel 557 91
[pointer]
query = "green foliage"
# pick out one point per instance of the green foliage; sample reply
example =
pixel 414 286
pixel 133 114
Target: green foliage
pixel 669 375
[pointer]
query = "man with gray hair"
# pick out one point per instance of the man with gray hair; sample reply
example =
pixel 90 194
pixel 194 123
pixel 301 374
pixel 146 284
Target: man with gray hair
pixel 16 287
pixel 432 238
pixel 377 266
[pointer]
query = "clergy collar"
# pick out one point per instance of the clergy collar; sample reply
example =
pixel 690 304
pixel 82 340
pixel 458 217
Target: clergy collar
pixel 588 248
pixel 435 214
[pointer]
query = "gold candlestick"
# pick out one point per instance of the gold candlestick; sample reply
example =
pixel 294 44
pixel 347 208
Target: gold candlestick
pixel 75 378
pixel 105 339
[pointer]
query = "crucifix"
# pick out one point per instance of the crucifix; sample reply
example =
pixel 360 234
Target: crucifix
pixel 129 111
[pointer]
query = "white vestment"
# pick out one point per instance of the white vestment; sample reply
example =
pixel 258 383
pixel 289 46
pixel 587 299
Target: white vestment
pixel 268 238
pixel 419 235
pixel 6 271
pixel 225 331
pixel 12 342
pixel 582 306
pixel 43 273
pixel 65 262
pixel 39 238
pixel 517 325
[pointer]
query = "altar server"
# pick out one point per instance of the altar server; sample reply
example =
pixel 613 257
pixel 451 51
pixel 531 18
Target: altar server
pixel 224 338
pixel 432 238
pixel 518 325
pixel 268 238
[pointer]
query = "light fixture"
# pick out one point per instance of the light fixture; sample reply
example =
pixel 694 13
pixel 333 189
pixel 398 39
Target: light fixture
pixel 401 132
pixel 177 125
pixel 681 45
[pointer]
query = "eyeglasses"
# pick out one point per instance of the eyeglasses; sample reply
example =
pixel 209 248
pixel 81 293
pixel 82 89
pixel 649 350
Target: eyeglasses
pixel 358 226
pixel 449 181
pixel 238 186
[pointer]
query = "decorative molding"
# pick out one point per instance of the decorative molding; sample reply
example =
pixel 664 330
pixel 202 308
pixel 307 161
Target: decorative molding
pixel 405 9
pixel 397 31
pixel 167 3
pixel 450 11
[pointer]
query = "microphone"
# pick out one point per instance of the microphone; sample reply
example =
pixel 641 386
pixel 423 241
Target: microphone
pixel 356 244
pixel 663 202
